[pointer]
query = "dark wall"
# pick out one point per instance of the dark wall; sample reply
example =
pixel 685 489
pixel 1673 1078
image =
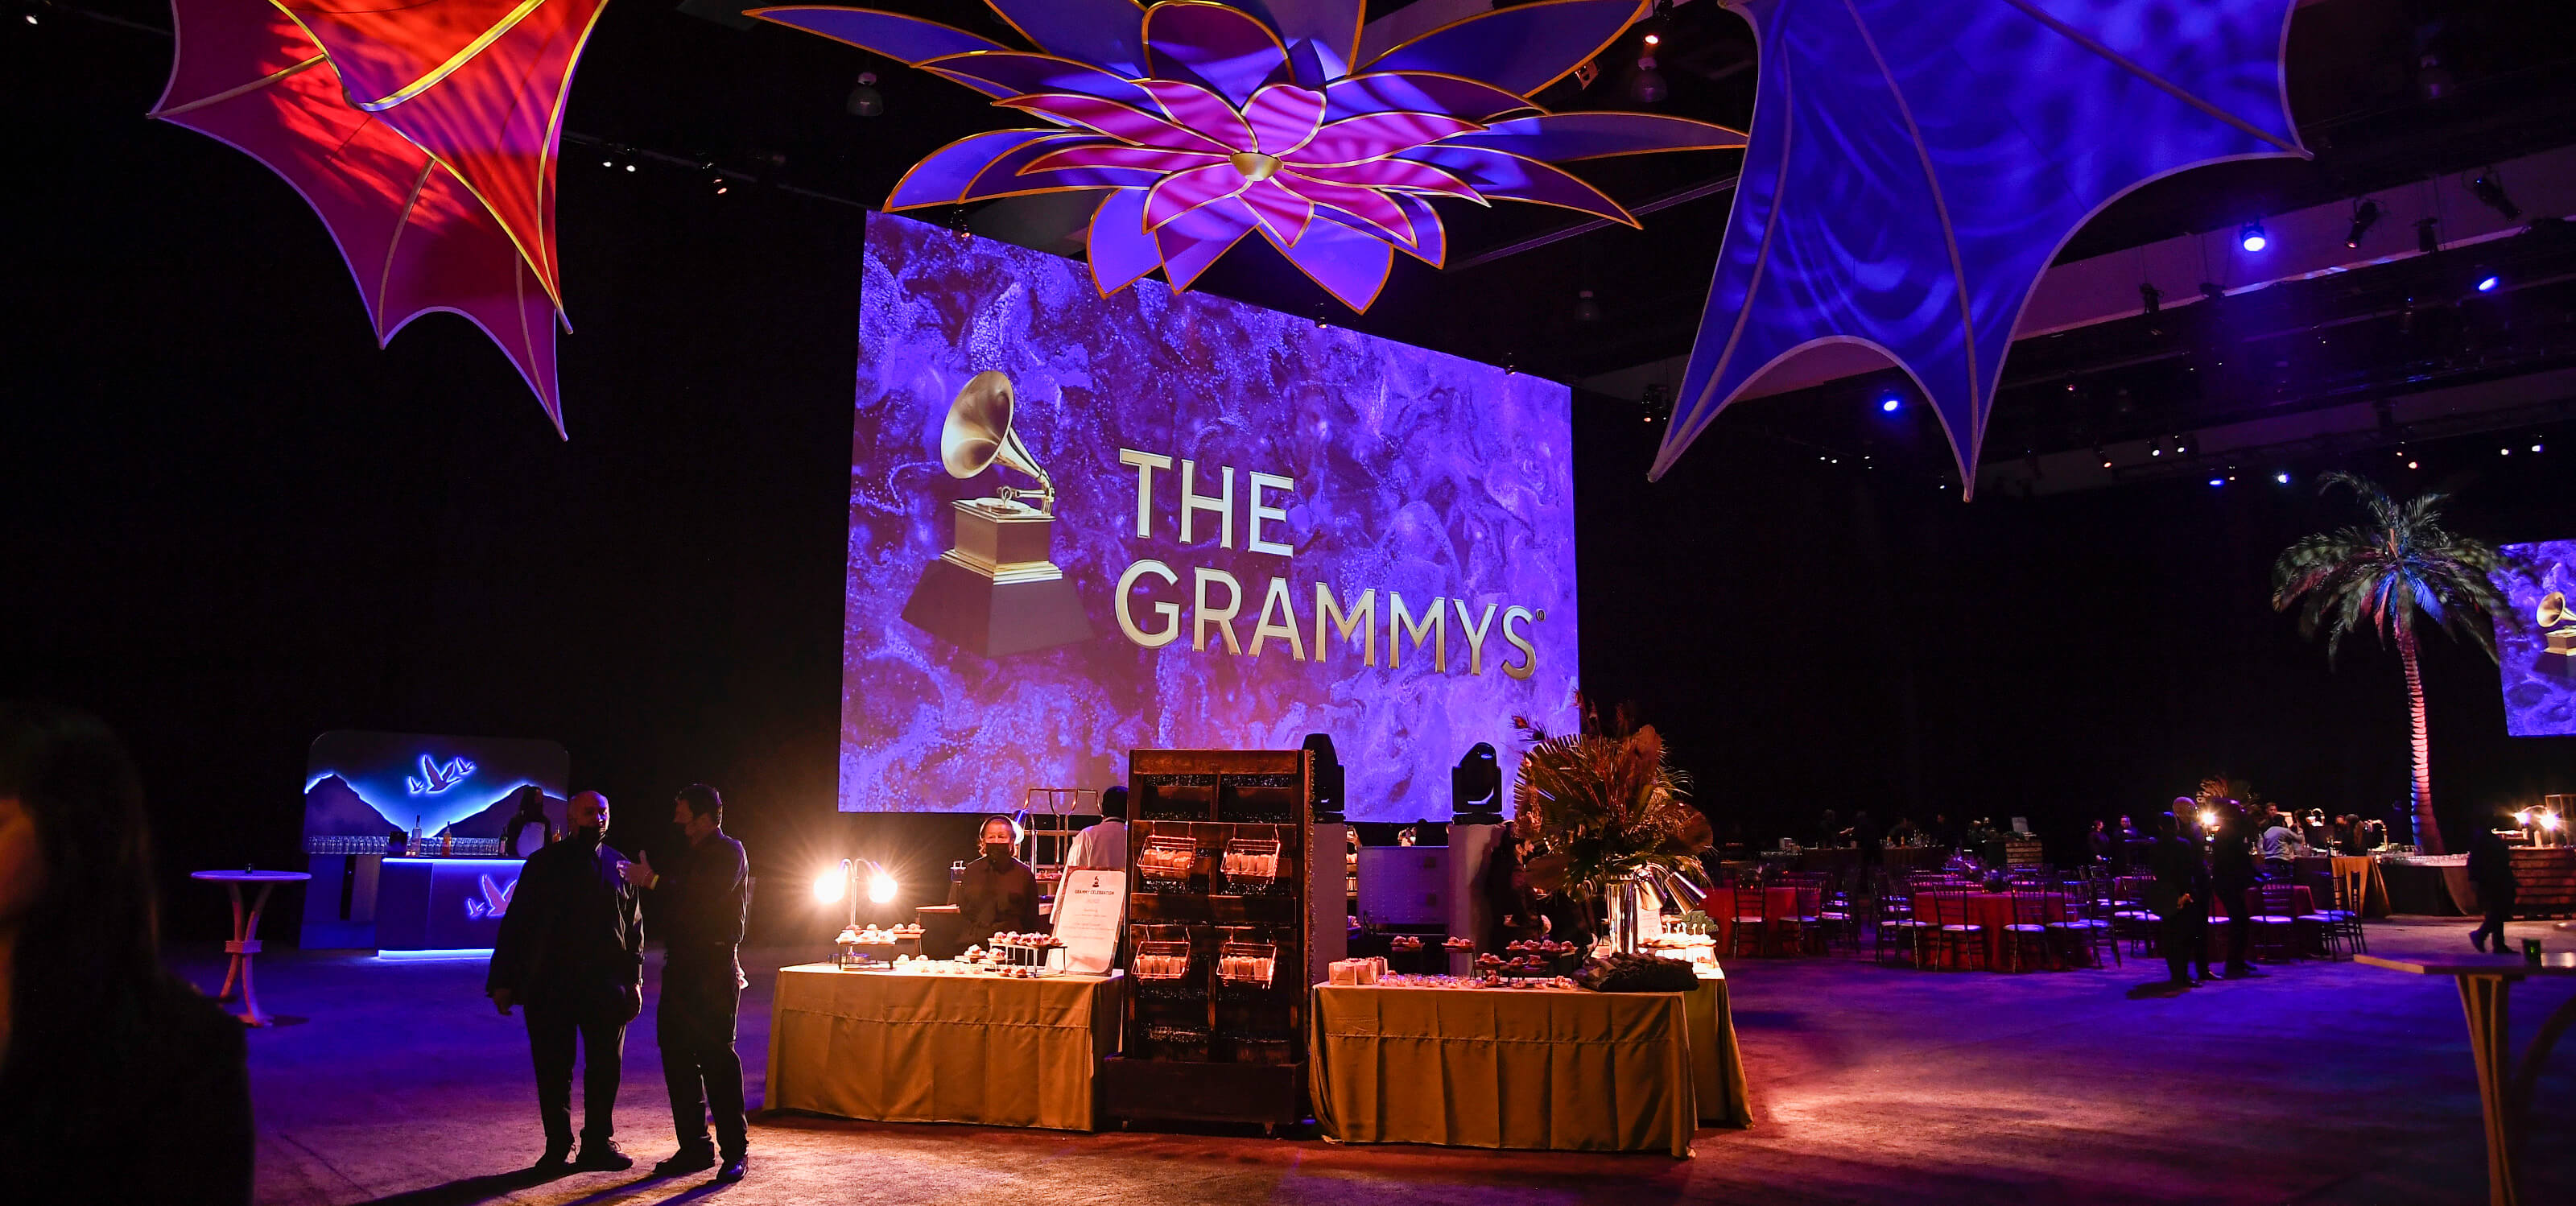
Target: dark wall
pixel 233 523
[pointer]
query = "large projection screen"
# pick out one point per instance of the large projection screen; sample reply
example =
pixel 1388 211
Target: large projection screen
pixel 1390 531
pixel 2536 638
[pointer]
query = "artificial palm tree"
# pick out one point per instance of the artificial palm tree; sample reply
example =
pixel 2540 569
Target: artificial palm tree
pixel 2382 574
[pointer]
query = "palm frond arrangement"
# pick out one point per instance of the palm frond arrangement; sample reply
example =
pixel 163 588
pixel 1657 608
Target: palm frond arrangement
pixel 1600 804
pixel 2381 575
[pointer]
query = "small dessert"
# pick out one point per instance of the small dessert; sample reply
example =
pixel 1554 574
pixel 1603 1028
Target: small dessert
pixel 1405 942
pixel 1459 944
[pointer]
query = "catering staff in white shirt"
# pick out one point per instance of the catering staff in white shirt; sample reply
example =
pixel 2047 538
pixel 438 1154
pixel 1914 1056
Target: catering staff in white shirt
pixel 1103 847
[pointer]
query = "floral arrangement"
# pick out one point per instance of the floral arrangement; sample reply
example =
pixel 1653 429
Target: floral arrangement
pixel 1601 804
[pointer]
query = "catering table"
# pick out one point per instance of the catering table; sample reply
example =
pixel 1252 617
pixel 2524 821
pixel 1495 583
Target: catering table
pixel 1717 1064
pixel 1992 910
pixel 2431 885
pixel 1561 1069
pixel 245 941
pixel 2504 1085
pixel 905 1047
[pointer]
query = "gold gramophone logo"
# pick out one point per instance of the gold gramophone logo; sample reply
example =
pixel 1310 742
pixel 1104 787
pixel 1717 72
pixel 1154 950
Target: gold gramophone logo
pixel 2558 624
pixel 997 590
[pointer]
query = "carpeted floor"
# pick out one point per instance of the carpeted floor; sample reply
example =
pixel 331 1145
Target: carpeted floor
pixel 2325 1083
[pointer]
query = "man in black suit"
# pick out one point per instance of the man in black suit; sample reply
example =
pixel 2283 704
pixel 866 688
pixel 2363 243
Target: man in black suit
pixel 2232 874
pixel 700 903
pixel 571 949
pixel 2491 869
pixel 2180 898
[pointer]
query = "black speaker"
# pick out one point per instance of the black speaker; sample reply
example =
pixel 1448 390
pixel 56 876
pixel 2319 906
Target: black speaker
pixel 1328 778
pixel 1476 787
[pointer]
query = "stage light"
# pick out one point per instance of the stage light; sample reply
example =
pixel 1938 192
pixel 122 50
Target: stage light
pixel 1890 402
pixel 2216 482
pixel 2282 478
pixel 2208 818
pixel 2535 447
pixel 2487 282
pixel 630 167
pixel 2185 445
pixel 2504 452
pixel 2150 298
pixel 2547 820
pixel 2250 236
pixel 865 100
pixel 2489 189
pixel 2413 465
pixel 2156 446
pixel 2365 214
pixel 2427 235
pixel 2102 456
pixel 829 886
pixel 1586 309
pixel 1654 39
pixel 881 888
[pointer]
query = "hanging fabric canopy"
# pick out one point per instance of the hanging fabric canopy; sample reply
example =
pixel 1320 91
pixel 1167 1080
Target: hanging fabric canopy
pixel 425 137
pixel 1916 164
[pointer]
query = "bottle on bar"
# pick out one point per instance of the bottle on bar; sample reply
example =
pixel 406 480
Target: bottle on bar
pixel 419 846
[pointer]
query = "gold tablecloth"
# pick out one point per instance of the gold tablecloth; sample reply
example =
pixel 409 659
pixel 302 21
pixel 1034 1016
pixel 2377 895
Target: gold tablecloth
pixel 1577 1071
pixel 1717 1065
pixel 895 1047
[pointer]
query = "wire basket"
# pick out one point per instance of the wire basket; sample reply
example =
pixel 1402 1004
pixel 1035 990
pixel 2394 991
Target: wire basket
pixel 1166 971
pixel 1166 863
pixel 1251 866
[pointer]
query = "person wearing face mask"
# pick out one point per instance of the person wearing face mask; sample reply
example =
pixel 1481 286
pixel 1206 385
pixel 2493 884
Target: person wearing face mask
pixel 571 949
pixel 997 893
pixel 701 899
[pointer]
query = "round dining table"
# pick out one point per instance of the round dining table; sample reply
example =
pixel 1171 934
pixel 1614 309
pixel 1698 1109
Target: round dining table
pixel 1993 910
pixel 245 940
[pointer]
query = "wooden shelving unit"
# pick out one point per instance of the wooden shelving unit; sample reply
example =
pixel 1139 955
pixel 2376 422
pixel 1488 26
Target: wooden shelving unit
pixel 1206 1046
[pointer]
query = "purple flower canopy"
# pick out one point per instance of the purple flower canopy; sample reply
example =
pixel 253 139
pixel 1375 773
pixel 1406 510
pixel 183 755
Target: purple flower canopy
pixel 1202 123
pixel 1916 164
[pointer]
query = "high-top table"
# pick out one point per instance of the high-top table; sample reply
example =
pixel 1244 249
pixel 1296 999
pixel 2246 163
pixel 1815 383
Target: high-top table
pixel 2503 1092
pixel 245 942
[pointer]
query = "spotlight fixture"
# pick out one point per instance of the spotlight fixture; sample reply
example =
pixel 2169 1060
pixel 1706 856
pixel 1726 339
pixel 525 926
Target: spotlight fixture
pixel 2101 455
pixel 1586 309
pixel 2150 298
pixel 1890 401
pixel 2185 445
pixel 865 100
pixel 1654 39
pixel 2428 237
pixel 2156 446
pixel 2216 482
pixel 2504 452
pixel 2250 236
pixel 1657 404
pixel 2282 478
pixel 715 177
pixel 2365 214
pixel 1323 317
pixel 2536 446
pixel 1647 86
pixel 2413 465
pixel 2488 188
pixel 2486 281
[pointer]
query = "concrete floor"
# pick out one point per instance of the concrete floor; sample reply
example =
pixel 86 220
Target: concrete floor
pixel 2326 1083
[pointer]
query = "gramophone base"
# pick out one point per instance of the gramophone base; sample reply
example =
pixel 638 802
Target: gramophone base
pixel 993 619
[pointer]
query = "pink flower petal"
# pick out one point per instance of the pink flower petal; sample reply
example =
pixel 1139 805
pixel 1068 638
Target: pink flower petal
pixel 1017 73
pixel 1431 239
pixel 1121 251
pixel 1196 109
pixel 1418 92
pixel 944 175
pixel 1282 213
pixel 1224 47
pixel 1283 117
pixel 1389 173
pixel 1120 155
pixel 1182 192
pixel 1194 240
pixel 1499 174
pixel 1350 264
pixel 1376 136
pixel 1116 120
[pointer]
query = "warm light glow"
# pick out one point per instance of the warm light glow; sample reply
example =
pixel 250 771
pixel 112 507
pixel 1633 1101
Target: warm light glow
pixel 881 887
pixel 829 885
pixel 2548 820
pixel 2208 818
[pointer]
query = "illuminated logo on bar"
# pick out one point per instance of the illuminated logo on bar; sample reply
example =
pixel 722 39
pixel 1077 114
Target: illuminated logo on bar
pixel 435 778
pixel 495 902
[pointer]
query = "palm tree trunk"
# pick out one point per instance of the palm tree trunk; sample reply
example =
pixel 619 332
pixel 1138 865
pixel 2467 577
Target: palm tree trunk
pixel 2428 832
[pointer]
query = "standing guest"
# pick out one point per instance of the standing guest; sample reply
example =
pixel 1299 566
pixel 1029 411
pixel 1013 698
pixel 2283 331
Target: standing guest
pixel 701 900
pixel 118 1083
pixel 1941 832
pixel 1829 829
pixel 1103 846
pixel 2098 844
pixel 2280 848
pixel 2491 869
pixel 2129 830
pixel 2231 876
pixel 571 949
pixel 2125 851
pixel 1904 833
pixel 2347 834
pixel 2181 901
pixel 998 893
pixel 529 829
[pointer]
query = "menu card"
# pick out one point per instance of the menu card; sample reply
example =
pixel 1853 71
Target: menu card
pixel 1090 910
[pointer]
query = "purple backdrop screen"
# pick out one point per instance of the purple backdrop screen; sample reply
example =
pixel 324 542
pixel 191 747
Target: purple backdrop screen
pixel 1378 542
pixel 2536 638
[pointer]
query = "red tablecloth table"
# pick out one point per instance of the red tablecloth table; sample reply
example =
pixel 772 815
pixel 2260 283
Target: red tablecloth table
pixel 1721 909
pixel 1992 910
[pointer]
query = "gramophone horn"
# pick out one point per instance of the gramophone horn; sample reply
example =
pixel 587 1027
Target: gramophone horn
pixel 2553 608
pixel 978 433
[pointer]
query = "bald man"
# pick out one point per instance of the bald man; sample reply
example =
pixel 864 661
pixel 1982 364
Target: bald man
pixel 571 949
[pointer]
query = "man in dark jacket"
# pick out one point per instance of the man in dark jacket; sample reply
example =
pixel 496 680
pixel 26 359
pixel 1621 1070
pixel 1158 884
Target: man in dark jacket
pixel 2181 900
pixel 2231 875
pixel 571 949
pixel 700 904
pixel 2491 869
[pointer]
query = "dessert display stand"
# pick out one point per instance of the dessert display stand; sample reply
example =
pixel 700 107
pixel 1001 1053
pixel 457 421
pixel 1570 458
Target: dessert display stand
pixel 1223 937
